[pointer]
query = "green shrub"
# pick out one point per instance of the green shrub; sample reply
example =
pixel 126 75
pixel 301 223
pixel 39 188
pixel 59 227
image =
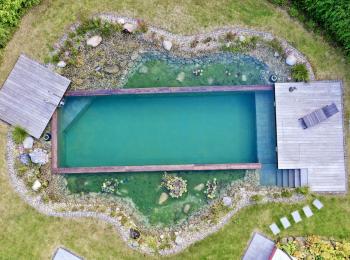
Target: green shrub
pixel 11 12
pixel 194 43
pixel 300 72
pixel 286 193
pixel 276 45
pixel 19 134
pixel 142 26
pixel 333 16
pixel 230 36
pixel 303 190
pixel 293 12
pixel 256 198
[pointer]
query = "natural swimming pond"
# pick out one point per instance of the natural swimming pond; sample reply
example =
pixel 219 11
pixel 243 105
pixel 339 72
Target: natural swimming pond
pixel 213 128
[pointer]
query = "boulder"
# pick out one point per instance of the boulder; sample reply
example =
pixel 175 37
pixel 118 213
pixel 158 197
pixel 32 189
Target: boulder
pixel 241 38
pixel 163 198
pixel 94 41
pixel 24 158
pixel 112 69
pixel 121 20
pixel 167 45
pixel 61 64
pixel 181 76
pixel 186 208
pixel 276 54
pixel 39 156
pixel 36 185
pixel 199 187
pixel 227 201
pixel 291 60
pixel 28 142
pixel 179 240
pixel 129 27
pixel 244 77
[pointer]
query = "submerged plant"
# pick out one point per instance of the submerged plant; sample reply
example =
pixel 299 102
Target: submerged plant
pixel 211 189
pixel 110 185
pixel 19 134
pixel 175 185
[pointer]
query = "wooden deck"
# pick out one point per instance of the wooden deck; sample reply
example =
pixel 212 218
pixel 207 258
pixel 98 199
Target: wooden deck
pixel 167 90
pixel 30 96
pixel 159 168
pixel 320 149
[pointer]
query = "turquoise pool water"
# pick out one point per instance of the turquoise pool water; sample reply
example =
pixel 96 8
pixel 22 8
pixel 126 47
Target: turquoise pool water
pixel 159 129
pixel 155 70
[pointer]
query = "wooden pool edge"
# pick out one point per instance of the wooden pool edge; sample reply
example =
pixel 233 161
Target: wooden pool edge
pixel 150 168
pixel 168 90
pixel 158 168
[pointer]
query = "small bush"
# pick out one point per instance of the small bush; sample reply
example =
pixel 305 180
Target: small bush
pixel 286 193
pixel 142 26
pixel 207 40
pixel 293 12
pixel 194 43
pixel 276 45
pixel 19 134
pixel 300 73
pixel 230 36
pixel 303 190
pixel 256 198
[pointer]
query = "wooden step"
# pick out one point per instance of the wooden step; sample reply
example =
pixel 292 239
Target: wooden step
pixel 297 178
pixel 303 177
pixel 291 178
pixel 285 178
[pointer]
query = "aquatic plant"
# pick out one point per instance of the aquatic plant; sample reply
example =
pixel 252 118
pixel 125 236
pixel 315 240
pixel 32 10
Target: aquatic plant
pixel 19 134
pixel 176 186
pixel 110 185
pixel 211 189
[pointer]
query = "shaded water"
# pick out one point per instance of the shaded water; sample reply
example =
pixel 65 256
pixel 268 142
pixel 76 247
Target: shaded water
pixel 157 70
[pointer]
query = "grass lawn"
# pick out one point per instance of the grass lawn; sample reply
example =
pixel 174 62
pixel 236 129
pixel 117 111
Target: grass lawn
pixel 25 234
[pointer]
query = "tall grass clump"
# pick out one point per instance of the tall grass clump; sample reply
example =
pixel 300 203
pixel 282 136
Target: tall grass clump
pixel 19 134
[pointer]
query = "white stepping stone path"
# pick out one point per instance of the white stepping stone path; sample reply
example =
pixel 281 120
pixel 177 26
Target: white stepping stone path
pixel 318 204
pixel 307 211
pixel 296 216
pixel 285 222
pixel 274 228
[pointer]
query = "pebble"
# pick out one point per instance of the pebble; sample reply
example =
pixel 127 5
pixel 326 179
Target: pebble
pixel 163 198
pixel 61 64
pixel 94 41
pixel 181 76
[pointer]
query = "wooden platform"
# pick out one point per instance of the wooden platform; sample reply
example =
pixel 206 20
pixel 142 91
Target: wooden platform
pixel 319 149
pixel 168 90
pixel 30 96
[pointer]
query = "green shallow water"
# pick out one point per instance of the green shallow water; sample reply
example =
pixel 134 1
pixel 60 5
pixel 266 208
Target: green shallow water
pixel 144 190
pixel 198 131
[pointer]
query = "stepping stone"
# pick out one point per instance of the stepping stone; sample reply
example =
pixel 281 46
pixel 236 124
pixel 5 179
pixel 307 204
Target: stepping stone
pixel 307 211
pixel 296 216
pixel 318 204
pixel 274 228
pixel 285 222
